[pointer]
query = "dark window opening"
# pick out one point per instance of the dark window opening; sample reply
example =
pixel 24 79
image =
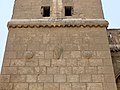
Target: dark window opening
pixel 45 11
pixel 68 10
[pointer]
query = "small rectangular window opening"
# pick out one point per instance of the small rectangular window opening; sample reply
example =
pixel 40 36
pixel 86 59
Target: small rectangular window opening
pixel 68 10
pixel 45 11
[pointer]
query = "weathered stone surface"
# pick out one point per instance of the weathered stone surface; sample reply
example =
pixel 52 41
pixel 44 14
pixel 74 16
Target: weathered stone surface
pixel 57 52
pixel 45 78
pixel 73 78
pixel 94 86
pixel 36 86
pixel 51 86
pixel 31 78
pixel 59 78
pixel 20 86
pixel 65 86
pixel 18 78
pixel 4 78
pixel 79 86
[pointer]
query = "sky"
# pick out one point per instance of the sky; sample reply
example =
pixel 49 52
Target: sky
pixel 111 10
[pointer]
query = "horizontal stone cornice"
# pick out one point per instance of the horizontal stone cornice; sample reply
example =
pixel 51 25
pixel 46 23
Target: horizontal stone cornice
pixel 31 23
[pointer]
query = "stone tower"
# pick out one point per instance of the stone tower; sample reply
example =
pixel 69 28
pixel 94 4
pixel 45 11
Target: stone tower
pixel 57 45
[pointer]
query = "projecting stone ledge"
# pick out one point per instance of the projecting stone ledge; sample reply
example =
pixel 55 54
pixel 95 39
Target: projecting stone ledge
pixel 53 22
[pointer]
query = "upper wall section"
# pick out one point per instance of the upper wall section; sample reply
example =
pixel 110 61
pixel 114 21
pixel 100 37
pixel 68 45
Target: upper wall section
pixel 32 9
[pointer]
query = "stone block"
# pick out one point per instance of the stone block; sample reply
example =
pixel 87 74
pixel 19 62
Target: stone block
pixel 53 70
pixel 72 62
pixel 17 62
pixel 6 86
pixel 51 86
pixel 65 86
pixel 65 70
pixel 75 54
pixel 98 78
pixel 31 78
pixel 58 62
pixel 6 62
pixel 45 78
pixel 95 86
pixel 44 62
pixel 36 86
pixel 32 62
pixel 109 78
pixel 18 78
pixel 39 54
pixel 73 78
pixel 79 86
pixel 40 70
pixel 25 70
pixel 105 69
pixel 109 86
pixel 20 86
pixel 91 70
pixel 9 70
pixel 59 78
pixel 95 62
pixel 48 54
pixel 82 62
pixel 85 78
pixel 10 55
pixel 66 54
pixel 78 70
pixel 4 78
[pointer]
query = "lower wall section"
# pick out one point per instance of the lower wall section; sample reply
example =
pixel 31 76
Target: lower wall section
pixel 69 58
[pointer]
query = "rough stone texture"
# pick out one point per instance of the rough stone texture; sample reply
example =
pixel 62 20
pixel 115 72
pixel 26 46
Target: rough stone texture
pixel 57 52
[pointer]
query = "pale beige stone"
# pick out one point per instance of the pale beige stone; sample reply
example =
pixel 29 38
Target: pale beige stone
pixel 4 78
pixel 36 86
pixel 58 62
pixel 44 62
pixel 85 78
pixel 51 86
pixel 39 54
pixel 79 86
pixel 109 78
pixel 82 62
pixel 20 86
pixel 66 54
pixel 40 70
pixel 31 78
pixel 17 62
pixel 6 62
pixel 72 62
pixel 45 78
pixel 48 54
pixel 95 62
pixel 59 78
pixel 109 86
pixel 53 70
pixel 91 70
pixel 73 78
pixel 6 86
pixel 66 70
pixel 94 86
pixel 78 70
pixel 9 70
pixel 98 78
pixel 65 86
pixel 32 62
pixel 105 69
pixel 75 54
pixel 25 70
pixel 17 78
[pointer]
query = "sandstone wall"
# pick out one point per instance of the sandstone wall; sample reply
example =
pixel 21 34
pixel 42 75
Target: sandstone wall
pixel 57 58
